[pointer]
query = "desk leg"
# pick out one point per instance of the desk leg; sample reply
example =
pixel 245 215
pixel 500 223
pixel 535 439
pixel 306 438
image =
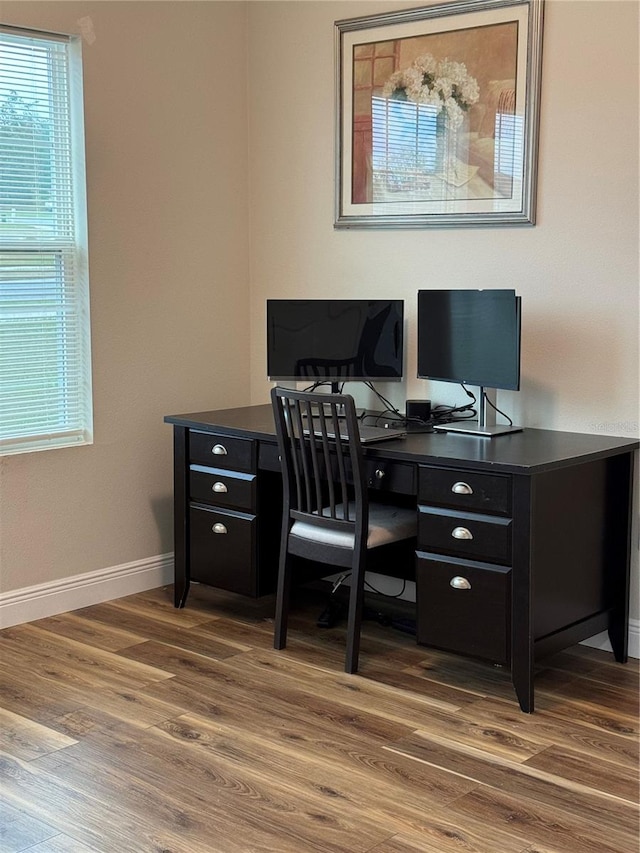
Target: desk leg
pixel 180 515
pixel 522 657
pixel 522 678
pixel 618 549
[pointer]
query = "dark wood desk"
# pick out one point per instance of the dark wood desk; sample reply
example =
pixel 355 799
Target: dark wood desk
pixel 523 544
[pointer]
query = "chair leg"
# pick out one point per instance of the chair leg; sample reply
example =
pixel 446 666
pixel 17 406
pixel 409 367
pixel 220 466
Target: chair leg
pixel 283 595
pixel 354 623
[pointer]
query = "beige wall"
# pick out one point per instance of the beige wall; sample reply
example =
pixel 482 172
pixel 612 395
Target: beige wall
pixel 166 129
pixel 175 325
pixel 577 269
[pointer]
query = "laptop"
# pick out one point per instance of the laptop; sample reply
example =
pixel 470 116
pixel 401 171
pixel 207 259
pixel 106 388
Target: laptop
pixel 369 434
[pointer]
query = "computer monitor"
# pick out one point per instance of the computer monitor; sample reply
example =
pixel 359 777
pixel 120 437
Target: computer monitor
pixel 335 340
pixel 471 337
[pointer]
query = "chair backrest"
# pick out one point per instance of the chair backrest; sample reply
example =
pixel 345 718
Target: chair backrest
pixel 327 368
pixel 322 462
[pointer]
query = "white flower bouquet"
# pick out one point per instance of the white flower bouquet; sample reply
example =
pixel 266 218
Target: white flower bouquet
pixel 445 85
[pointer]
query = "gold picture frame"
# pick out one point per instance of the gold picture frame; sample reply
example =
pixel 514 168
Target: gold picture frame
pixel 437 115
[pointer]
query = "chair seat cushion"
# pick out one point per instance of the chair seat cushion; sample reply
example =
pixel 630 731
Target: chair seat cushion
pixel 386 524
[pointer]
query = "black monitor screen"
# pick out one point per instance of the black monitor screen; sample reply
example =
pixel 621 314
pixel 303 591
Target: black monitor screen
pixel 334 339
pixel 470 336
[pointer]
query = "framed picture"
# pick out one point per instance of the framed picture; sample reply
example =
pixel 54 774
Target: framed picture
pixel 437 115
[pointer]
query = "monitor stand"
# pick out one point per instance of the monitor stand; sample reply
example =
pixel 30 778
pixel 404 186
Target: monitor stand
pixel 485 426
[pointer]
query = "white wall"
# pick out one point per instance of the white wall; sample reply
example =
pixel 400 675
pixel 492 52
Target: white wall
pixel 166 130
pixel 577 269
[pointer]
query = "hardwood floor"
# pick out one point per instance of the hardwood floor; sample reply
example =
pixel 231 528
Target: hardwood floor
pixel 132 726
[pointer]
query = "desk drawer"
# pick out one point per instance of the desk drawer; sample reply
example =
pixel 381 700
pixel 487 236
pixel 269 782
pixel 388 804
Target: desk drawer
pixel 222 488
pixel 223 549
pixel 472 616
pixel 237 454
pixel 269 457
pixel 399 477
pixel 471 535
pixel 465 490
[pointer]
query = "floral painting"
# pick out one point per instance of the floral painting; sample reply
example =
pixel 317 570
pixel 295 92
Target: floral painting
pixel 436 116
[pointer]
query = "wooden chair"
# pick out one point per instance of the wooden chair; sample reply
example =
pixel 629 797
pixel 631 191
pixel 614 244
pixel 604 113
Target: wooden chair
pixel 327 516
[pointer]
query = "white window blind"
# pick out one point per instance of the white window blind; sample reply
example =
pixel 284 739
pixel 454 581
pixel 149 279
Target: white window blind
pixel 405 146
pixel 45 365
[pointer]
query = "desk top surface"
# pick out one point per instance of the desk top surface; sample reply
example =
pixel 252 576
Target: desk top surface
pixel 529 451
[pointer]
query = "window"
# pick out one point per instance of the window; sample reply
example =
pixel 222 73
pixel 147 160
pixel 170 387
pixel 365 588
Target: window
pixel 45 364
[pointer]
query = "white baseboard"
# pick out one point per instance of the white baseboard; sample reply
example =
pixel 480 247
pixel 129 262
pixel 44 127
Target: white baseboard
pixel 49 599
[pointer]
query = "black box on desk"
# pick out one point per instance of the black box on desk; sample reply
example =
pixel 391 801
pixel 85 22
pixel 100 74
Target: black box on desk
pixel 420 409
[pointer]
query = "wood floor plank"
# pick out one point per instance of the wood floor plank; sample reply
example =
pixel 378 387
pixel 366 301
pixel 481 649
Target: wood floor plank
pixel 346 750
pixel 89 631
pixel 113 814
pixel 417 797
pixel 549 825
pixel 414 710
pixel 133 727
pixel 24 738
pixel 48 654
pixel 151 609
pixel 222 686
pixel 398 671
pixel 600 657
pixel 605 708
pixel 378 644
pixel 239 790
pixel 57 802
pixel 345 688
pixel 348 773
pixel 590 690
pixel 597 666
pixel 567 764
pixel 175 660
pixel 476 677
pixel 36 697
pixel 61 844
pixel 204 603
pixel 238 634
pixel 21 831
pixel 446 838
pixel 198 638
pixel 605 814
pixel 545 729
pixel 51 700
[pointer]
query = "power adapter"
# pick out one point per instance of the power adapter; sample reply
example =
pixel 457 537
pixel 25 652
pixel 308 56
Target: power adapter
pixel 419 409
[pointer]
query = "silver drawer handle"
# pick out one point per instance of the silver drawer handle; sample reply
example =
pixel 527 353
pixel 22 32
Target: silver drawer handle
pixel 219 487
pixel 219 450
pixel 379 474
pixel 459 583
pixel 461 533
pixel 461 488
pixel 219 528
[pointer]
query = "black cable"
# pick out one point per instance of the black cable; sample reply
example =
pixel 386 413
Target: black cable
pixel 449 414
pixel 384 594
pixel 470 407
pixel 391 413
pixel 321 383
pixel 389 407
pixel 496 409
